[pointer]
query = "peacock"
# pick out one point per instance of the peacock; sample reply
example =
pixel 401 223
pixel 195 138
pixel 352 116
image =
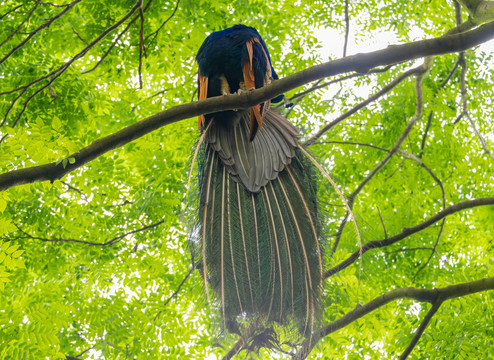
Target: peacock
pixel 258 226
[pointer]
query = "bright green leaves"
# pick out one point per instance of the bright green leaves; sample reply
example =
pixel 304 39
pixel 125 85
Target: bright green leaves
pixel 61 296
pixel 9 257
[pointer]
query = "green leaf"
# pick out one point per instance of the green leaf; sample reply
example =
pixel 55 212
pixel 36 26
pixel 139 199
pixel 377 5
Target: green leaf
pixel 56 124
pixel 12 248
pixel 17 253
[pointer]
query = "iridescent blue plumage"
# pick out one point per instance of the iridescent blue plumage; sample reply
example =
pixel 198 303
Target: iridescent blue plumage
pixel 231 60
pixel 224 52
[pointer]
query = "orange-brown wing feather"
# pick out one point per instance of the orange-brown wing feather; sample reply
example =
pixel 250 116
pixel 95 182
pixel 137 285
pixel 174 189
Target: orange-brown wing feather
pixel 249 80
pixel 203 94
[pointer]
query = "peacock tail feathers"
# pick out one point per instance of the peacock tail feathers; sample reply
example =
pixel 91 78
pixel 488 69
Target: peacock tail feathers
pixel 258 233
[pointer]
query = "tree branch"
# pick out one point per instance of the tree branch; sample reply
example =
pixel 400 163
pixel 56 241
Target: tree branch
pixel 115 41
pixel 347 28
pixel 464 102
pixel 11 11
pixel 59 71
pixel 479 10
pixel 90 243
pixel 20 25
pixel 431 113
pixel 142 47
pixel 358 62
pixel 375 244
pixel 419 104
pixel 421 329
pixel 363 104
pixel 421 164
pixel 175 292
pixel 155 34
pixel 317 85
pixel 34 32
pixel 433 296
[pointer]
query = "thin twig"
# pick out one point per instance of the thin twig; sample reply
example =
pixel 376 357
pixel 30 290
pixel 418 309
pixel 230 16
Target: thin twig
pixel 79 36
pixel 54 5
pixel 458 118
pixel 426 131
pixel 51 92
pixel 34 32
pixel 74 189
pixel 11 106
pixel 347 28
pixel 479 136
pixel 326 84
pixel 148 98
pixel 296 101
pixel 382 223
pixel 363 104
pixel 419 104
pixel 396 170
pixel 412 249
pixel 90 243
pixel 155 34
pixel 464 101
pixel 115 41
pixel 85 351
pixel 142 48
pixel 175 292
pixel 10 11
pixel 16 31
pixel 433 251
pixel 58 72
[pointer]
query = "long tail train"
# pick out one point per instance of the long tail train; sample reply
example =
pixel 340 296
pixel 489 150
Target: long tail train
pixel 259 224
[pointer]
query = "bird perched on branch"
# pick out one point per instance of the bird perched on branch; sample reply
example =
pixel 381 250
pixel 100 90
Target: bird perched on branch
pixel 258 225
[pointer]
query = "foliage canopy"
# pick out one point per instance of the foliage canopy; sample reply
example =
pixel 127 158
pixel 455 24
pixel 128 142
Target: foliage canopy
pixel 95 265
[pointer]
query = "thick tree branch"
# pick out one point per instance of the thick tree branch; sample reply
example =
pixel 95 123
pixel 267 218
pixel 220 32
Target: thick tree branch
pixel 421 329
pixel 479 10
pixel 358 62
pixel 433 296
pixel 375 244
